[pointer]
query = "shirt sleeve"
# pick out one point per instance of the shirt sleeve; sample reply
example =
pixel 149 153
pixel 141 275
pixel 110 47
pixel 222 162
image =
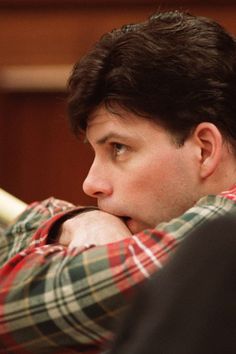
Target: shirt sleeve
pixel 19 235
pixel 57 301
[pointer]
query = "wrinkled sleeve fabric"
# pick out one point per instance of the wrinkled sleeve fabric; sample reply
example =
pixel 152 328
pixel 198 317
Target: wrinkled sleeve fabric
pixel 57 301
pixel 18 236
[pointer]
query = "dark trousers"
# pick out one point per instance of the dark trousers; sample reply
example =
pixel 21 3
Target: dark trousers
pixel 189 307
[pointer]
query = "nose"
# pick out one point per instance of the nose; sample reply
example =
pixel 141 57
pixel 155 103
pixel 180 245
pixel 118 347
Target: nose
pixel 97 184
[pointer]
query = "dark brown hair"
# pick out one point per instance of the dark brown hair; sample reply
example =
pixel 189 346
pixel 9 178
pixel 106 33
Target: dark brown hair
pixel 175 68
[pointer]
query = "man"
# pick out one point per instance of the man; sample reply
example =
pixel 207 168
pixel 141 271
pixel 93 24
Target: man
pixel 156 102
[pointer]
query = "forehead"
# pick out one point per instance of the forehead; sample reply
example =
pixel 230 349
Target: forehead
pixel 102 121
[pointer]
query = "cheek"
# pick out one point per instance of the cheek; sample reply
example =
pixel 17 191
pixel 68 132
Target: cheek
pixel 144 176
pixel 168 175
pixel 150 179
pixel 145 184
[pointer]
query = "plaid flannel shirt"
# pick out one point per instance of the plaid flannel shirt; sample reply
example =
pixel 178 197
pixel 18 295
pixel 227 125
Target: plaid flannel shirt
pixel 57 301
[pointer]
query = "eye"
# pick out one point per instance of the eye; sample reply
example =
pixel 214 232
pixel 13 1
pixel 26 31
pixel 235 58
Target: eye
pixel 118 149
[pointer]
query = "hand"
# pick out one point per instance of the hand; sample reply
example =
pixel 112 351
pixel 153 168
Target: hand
pixel 94 227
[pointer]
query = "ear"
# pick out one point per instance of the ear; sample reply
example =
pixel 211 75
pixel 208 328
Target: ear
pixel 210 146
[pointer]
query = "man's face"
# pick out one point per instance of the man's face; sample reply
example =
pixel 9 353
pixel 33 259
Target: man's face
pixel 139 173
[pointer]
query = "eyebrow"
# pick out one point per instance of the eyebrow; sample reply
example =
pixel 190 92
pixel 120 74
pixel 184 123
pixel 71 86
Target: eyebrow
pixel 112 135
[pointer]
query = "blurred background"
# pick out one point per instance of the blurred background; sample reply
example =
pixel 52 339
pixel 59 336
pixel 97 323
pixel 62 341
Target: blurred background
pixel 40 40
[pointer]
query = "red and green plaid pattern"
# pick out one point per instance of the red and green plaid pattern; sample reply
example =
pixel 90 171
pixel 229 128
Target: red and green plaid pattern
pixel 57 301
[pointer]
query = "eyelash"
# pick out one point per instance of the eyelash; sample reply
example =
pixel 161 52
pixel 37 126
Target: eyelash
pixel 116 147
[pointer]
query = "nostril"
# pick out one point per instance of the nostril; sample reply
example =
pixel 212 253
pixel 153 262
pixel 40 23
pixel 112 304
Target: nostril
pixel 98 194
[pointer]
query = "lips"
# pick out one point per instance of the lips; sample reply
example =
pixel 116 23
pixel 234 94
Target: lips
pixel 131 224
pixel 125 218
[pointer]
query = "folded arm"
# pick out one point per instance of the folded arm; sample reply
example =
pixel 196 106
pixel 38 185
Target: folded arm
pixel 54 298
